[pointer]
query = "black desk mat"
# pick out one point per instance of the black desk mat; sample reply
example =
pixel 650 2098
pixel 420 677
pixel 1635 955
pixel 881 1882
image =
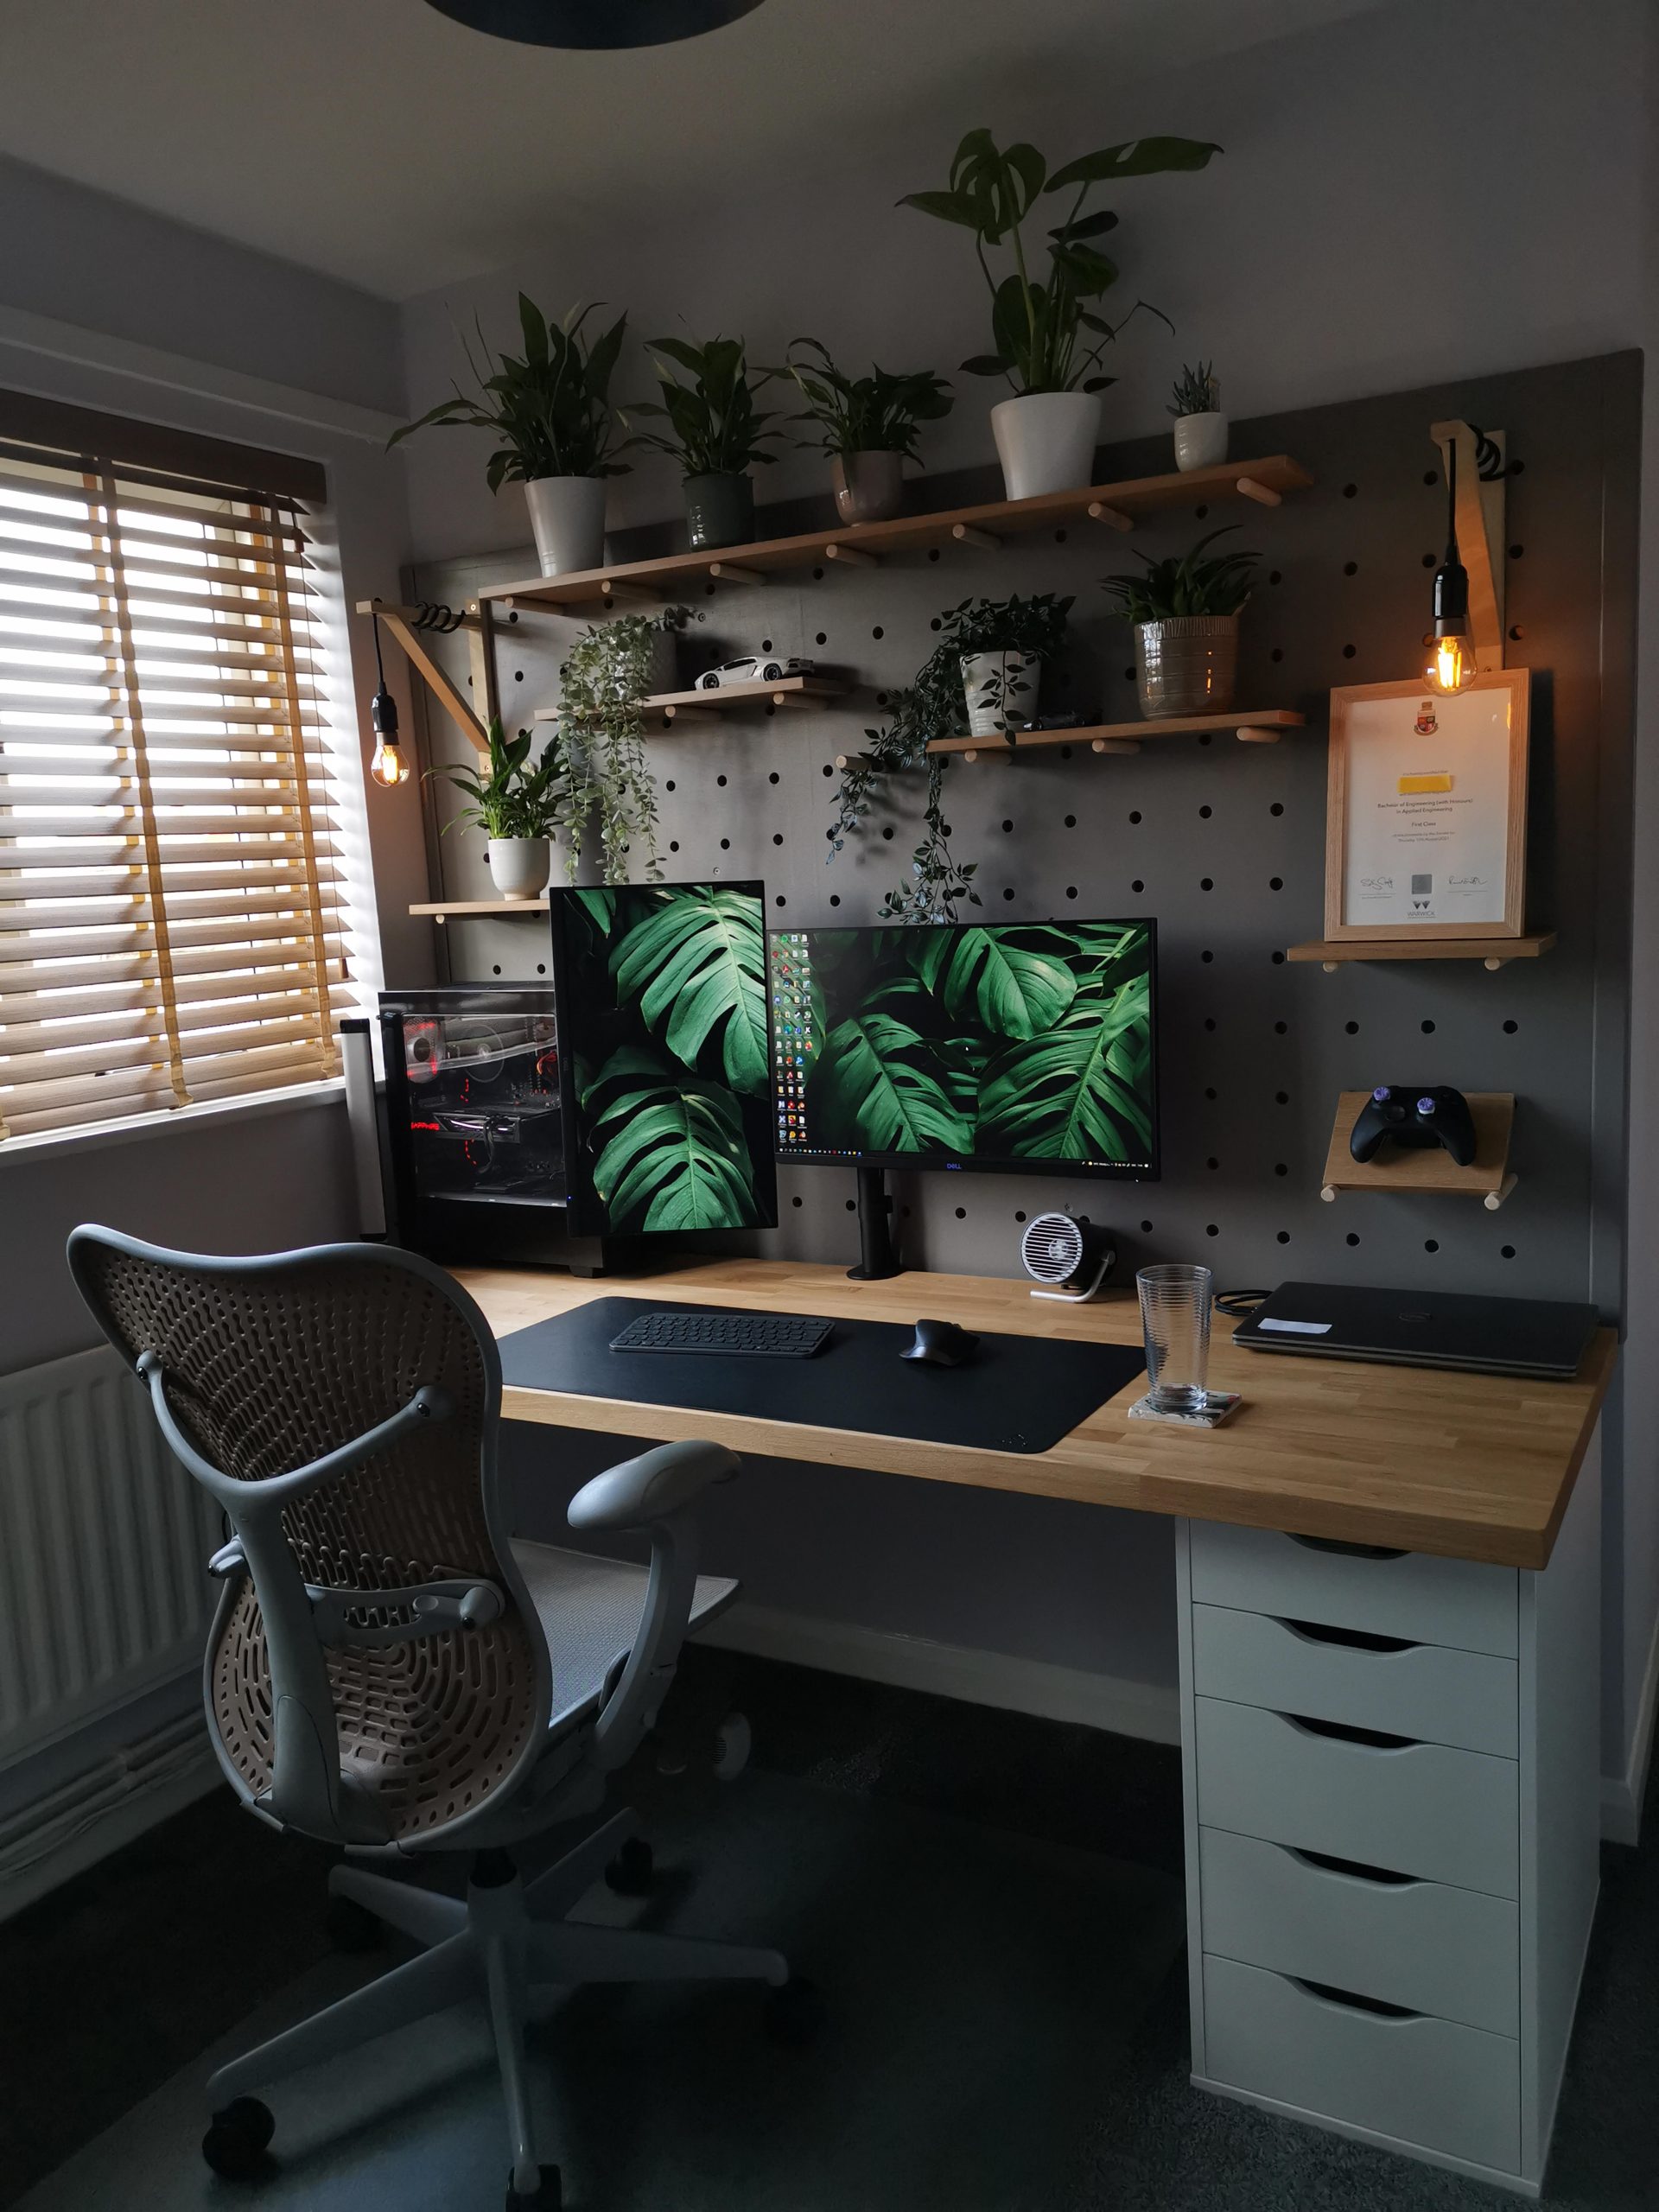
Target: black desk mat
pixel 1017 1394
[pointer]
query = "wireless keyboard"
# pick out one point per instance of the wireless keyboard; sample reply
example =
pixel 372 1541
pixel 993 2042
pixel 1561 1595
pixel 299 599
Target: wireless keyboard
pixel 742 1336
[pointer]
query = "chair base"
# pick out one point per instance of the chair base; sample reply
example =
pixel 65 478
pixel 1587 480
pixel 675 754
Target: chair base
pixel 506 1944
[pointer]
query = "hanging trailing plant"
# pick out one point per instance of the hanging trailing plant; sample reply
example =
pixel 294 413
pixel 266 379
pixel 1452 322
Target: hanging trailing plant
pixel 602 743
pixel 933 705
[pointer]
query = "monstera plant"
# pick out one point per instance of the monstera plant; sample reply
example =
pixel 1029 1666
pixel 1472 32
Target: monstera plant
pixel 677 1113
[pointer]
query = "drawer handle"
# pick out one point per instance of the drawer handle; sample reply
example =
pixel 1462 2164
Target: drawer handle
pixel 1348 1551
pixel 1353 1639
pixel 1374 1740
pixel 1352 1870
pixel 1351 2001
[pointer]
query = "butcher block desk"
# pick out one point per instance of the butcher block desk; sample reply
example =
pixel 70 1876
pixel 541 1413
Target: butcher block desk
pixel 1388 1610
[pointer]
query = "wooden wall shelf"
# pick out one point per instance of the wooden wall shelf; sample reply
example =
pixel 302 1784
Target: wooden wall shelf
pixel 444 910
pixel 1251 729
pixel 1491 952
pixel 1400 1169
pixel 696 705
pixel 1117 506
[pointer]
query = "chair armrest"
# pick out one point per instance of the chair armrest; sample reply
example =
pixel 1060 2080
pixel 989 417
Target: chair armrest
pixel 648 1489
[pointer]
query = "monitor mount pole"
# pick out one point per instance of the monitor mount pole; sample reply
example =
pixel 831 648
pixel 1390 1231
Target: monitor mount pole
pixel 877 1259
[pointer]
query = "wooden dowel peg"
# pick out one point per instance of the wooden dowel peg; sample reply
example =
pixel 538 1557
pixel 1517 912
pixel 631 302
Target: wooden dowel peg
pixel 689 715
pixel 1492 966
pixel 1113 517
pixel 851 556
pixel 1114 745
pixel 1263 494
pixel 970 755
pixel 965 534
pixel 1493 1199
pixel 845 761
pixel 791 699
pixel 1328 1195
pixel 612 593
pixel 1252 733
pixel 1330 967
pixel 724 572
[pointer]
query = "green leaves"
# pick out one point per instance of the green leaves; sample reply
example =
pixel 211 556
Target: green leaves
pixel 1079 1091
pixel 878 413
pixel 879 1088
pixel 673 1152
pixel 1139 157
pixel 1173 587
pixel 697 965
pixel 511 800
pixel 715 428
pixel 1015 990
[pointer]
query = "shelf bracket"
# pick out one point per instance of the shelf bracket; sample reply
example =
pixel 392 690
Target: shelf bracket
pixel 965 534
pixel 399 621
pixel 851 556
pixel 1115 745
pixel 1481 512
pixel 1113 517
pixel 1263 494
pixel 626 595
pixel 727 572
pixel 1253 734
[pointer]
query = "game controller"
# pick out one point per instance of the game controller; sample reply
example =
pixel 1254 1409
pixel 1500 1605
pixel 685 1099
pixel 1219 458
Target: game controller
pixel 1415 1117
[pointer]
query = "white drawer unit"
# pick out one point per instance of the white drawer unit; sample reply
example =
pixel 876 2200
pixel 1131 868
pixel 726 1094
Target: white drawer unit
pixel 1428 1691
pixel 1392 1796
pixel 1415 1808
pixel 1450 1601
pixel 1431 1948
pixel 1420 2081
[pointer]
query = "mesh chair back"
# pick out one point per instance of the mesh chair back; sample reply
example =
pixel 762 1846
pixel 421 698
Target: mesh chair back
pixel 269 1364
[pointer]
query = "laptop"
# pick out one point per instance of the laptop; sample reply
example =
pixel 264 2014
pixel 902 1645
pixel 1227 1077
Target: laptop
pixel 1490 1336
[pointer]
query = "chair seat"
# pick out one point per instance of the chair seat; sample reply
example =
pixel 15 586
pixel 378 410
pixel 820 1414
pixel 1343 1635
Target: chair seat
pixel 590 1611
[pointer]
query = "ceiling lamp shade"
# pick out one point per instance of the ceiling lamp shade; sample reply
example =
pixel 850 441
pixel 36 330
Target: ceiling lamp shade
pixel 593 24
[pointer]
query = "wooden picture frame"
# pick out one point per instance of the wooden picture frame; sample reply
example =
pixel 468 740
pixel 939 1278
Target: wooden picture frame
pixel 1437 779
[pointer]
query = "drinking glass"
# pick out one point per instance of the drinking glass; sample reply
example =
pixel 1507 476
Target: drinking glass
pixel 1175 1317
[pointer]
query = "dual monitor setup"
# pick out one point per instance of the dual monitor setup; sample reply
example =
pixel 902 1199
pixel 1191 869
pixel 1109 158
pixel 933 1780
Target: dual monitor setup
pixel 683 1051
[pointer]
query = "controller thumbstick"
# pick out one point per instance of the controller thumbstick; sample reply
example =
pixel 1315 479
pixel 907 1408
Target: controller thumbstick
pixel 1425 1105
pixel 1381 1094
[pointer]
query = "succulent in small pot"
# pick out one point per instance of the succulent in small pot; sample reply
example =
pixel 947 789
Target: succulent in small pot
pixel 1200 426
pixel 1186 611
pixel 715 432
pixel 1046 434
pixel 551 410
pixel 867 427
pixel 520 808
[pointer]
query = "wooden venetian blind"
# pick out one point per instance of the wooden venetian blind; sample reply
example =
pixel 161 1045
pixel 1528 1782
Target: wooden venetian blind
pixel 170 885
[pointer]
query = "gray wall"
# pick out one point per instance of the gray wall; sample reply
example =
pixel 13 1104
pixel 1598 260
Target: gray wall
pixel 1421 192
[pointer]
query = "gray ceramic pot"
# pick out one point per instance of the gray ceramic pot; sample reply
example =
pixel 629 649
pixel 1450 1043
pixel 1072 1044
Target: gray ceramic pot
pixel 869 486
pixel 720 510
pixel 1188 665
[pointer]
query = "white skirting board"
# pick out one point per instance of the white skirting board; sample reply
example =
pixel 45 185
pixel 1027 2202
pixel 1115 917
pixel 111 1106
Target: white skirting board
pixel 1622 1793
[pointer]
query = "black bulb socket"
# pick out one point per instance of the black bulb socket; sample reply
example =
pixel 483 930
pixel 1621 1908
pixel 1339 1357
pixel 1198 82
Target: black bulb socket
pixel 1451 598
pixel 383 711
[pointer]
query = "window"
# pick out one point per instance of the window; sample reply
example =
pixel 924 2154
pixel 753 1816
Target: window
pixel 171 894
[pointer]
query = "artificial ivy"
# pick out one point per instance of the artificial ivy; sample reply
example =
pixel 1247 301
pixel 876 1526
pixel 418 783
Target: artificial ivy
pixel 602 741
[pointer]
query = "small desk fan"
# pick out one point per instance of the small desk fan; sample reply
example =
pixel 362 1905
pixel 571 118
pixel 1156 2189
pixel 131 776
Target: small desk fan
pixel 1066 1256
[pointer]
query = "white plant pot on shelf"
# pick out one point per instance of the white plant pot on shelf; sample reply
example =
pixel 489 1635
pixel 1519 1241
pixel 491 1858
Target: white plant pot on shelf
pixel 1001 692
pixel 1200 440
pixel 519 867
pixel 1046 441
pixel 567 514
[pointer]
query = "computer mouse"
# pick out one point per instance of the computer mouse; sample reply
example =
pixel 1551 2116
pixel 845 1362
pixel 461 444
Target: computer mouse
pixel 942 1344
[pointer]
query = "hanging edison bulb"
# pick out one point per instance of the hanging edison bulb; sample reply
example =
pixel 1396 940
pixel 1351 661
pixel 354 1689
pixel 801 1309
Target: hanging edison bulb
pixel 389 766
pixel 1451 647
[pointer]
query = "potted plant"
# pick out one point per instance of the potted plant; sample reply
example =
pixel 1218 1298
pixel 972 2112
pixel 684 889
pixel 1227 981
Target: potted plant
pixel 668 625
pixel 1001 647
pixel 1046 434
pixel 1200 426
pixel 601 744
pixel 869 426
pixel 518 807
pixel 552 412
pixel 1185 613
pixel 715 432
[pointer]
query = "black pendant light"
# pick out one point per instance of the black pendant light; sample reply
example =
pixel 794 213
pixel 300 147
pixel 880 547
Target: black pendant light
pixel 593 24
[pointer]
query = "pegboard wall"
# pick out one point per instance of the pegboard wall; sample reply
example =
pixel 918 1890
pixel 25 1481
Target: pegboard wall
pixel 1224 843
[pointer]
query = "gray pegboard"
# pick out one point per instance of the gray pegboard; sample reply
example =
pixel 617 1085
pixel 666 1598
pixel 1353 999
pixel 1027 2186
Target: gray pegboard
pixel 1223 842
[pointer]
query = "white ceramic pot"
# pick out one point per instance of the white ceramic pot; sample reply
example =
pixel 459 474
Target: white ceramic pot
pixel 1046 441
pixel 519 867
pixel 1001 692
pixel 1200 440
pixel 567 514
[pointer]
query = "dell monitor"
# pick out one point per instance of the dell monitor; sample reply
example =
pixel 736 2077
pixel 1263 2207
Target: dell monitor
pixel 1025 1047
pixel 666 1049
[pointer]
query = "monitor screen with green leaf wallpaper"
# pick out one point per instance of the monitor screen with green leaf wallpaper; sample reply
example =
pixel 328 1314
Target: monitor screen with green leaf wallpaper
pixel 665 1040
pixel 1025 1046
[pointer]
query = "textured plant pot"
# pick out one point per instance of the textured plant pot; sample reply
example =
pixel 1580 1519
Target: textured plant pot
pixel 664 673
pixel 567 514
pixel 1200 440
pixel 720 510
pixel 519 867
pixel 1046 441
pixel 1187 667
pixel 1012 703
pixel 869 486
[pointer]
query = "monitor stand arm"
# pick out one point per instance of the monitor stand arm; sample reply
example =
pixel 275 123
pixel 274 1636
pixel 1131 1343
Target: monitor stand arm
pixel 877 1259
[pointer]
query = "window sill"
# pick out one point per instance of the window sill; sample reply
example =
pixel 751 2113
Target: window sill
pixel 140 1127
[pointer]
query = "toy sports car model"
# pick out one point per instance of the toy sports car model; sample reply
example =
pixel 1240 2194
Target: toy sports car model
pixel 752 668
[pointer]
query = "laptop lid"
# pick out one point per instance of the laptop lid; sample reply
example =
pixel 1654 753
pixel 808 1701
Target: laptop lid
pixel 1498 1335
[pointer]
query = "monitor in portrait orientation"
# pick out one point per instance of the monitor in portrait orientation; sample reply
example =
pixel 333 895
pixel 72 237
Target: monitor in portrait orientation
pixel 664 1039
pixel 1027 1046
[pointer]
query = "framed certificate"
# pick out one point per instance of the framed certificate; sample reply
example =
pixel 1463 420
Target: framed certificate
pixel 1426 819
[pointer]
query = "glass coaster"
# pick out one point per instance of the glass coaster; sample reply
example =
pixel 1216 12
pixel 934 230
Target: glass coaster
pixel 1218 1406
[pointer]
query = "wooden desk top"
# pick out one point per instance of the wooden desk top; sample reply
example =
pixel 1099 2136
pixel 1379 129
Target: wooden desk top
pixel 1473 1467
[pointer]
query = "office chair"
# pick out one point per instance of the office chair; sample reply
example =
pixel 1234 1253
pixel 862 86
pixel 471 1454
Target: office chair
pixel 387 1670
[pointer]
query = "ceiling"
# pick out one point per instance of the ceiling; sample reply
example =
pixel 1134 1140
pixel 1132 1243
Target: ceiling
pixel 380 142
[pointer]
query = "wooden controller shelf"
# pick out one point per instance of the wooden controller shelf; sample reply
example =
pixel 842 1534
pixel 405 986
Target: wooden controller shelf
pixel 1397 1167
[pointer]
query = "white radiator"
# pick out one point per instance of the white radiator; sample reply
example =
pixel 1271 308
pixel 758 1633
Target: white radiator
pixel 104 1545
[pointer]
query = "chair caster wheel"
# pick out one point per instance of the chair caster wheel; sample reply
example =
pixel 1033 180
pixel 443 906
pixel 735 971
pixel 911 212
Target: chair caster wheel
pixel 351 1927
pixel 235 2144
pixel 546 2197
pixel 630 1872
pixel 734 1741
pixel 795 2012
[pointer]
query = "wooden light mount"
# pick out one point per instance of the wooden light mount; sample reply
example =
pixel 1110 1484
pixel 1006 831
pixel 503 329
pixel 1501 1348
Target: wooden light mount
pixel 410 625
pixel 1481 504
